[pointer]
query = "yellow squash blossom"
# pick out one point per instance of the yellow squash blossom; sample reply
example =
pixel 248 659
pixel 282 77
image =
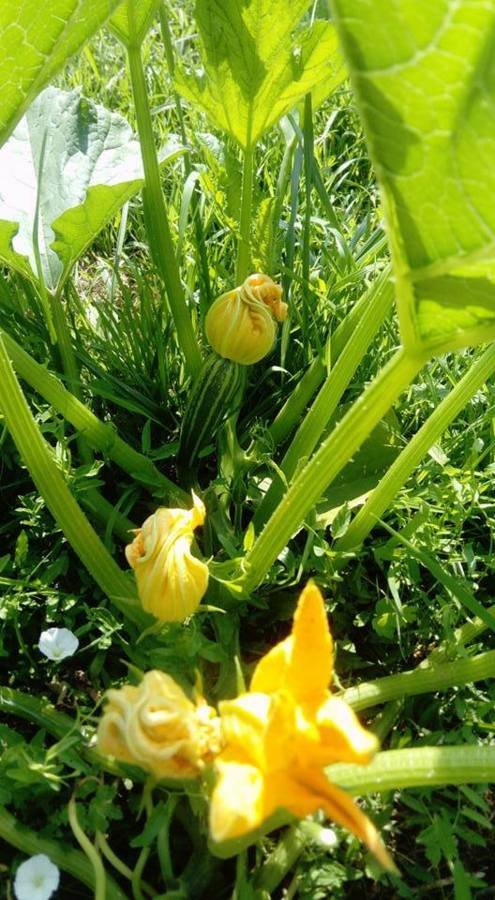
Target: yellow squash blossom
pixel 155 726
pixel 280 735
pixel 240 325
pixel 170 580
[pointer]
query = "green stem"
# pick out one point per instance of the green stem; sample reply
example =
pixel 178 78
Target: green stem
pixel 462 635
pixel 282 858
pixel 40 712
pixel 416 449
pixel 89 850
pixel 163 841
pixel 113 859
pixel 384 721
pixel 290 413
pixel 288 850
pixel 116 862
pixel 326 464
pixel 101 435
pixel 273 254
pixel 52 487
pixel 156 218
pixel 42 289
pixel 425 680
pixel 107 514
pixel 306 242
pixel 290 231
pixel 202 259
pixel 69 364
pixel 417 767
pixel 33 709
pixel 380 298
pixel 241 885
pixel 136 879
pixel 244 246
pixel 66 858
pixel 64 343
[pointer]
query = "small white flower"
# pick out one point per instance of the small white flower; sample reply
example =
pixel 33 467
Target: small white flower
pixel 36 878
pixel 328 838
pixel 57 643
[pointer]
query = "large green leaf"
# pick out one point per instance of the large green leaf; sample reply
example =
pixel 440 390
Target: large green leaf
pixel 254 72
pixel 35 41
pixel 129 32
pixel 424 75
pixel 64 173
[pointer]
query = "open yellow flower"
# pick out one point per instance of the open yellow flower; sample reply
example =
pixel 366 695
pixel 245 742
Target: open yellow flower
pixel 280 735
pixel 171 581
pixel 155 726
pixel 240 324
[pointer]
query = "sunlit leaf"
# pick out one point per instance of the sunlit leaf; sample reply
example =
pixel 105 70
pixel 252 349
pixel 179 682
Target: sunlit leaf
pixel 254 72
pixel 68 167
pixel 35 41
pixel 126 31
pixel 424 75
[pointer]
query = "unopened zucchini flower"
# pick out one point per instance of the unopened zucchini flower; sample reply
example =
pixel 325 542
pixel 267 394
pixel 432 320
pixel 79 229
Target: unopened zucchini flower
pixel 241 324
pixel 170 580
pixel 157 727
pixel 280 735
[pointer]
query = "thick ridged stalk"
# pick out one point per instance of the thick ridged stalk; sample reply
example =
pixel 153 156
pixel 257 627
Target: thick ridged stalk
pixel 308 435
pixel 52 487
pixel 416 449
pixel 326 464
pixel 417 767
pixel 39 712
pixel 421 681
pixel 72 861
pixel 290 415
pixel 101 435
pixel 35 710
pixel 156 218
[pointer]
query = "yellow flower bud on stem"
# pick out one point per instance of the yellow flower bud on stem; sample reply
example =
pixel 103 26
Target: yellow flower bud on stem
pixel 157 727
pixel 241 324
pixel 171 581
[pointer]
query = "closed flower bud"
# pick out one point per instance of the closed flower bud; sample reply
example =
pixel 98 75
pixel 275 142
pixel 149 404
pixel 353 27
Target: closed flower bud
pixel 240 325
pixel 170 580
pixel 157 727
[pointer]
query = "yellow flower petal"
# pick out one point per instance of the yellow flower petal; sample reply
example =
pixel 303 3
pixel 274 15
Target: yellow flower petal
pixel 311 662
pixel 263 288
pixel 171 581
pixel 339 807
pixel 158 728
pixel 243 726
pixel 343 738
pixel 302 664
pixel 270 674
pixel 111 729
pixel 280 735
pixel 236 805
pixel 240 330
